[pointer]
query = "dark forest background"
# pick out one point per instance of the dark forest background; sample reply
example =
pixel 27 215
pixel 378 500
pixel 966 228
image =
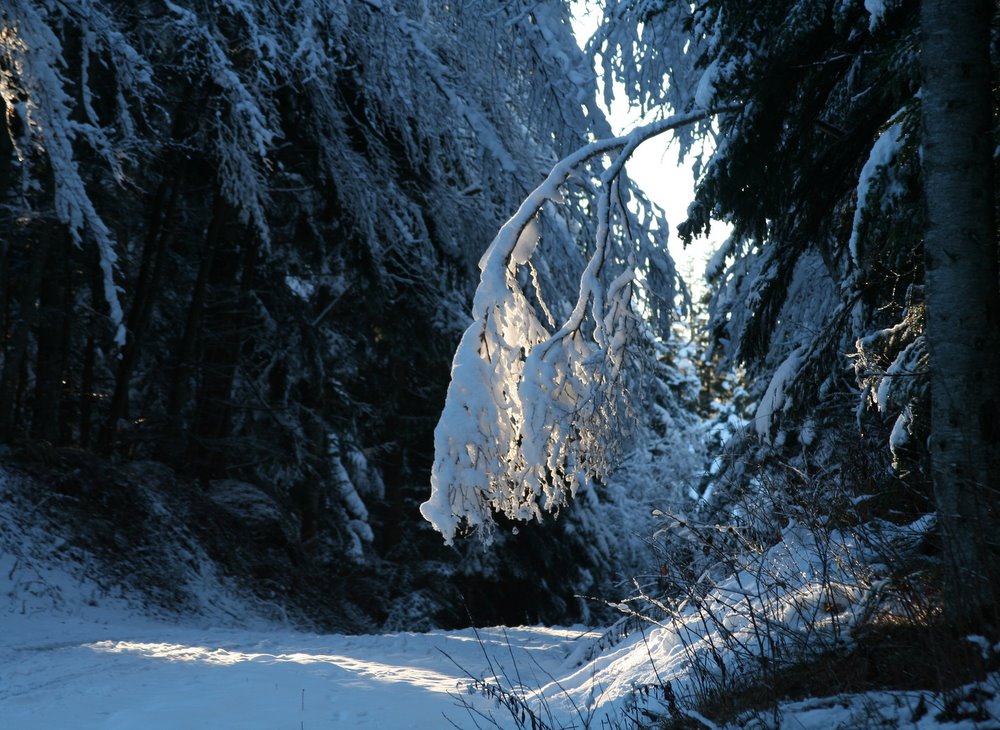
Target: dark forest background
pixel 239 244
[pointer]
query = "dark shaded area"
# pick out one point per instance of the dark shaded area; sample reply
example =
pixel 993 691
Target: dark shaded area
pixel 882 657
pixel 290 306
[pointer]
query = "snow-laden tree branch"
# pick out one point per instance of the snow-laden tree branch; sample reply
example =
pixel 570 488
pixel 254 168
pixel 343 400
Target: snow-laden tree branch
pixel 534 411
pixel 34 88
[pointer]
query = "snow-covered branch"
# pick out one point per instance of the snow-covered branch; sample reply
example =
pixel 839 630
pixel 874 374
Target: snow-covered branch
pixel 35 83
pixel 533 414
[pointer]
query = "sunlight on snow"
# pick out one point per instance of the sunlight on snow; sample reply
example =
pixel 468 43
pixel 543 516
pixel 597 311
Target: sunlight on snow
pixel 525 640
pixel 575 632
pixel 427 679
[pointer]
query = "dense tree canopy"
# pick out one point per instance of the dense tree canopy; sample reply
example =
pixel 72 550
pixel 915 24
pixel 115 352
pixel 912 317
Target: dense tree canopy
pixel 858 288
pixel 815 157
pixel 242 240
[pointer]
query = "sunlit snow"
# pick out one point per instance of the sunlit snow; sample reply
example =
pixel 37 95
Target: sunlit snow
pixel 128 673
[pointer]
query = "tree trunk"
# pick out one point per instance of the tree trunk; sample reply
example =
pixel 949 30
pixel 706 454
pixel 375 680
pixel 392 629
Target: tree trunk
pixel 225 322
pixel 90 399
pixel 174 446
pixel 54 313
pixel 87 390
pixel 14 357
pixel 146 290
pixel 963 300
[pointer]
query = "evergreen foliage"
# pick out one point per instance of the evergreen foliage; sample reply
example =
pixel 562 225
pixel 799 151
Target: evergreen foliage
pixel 240 239
pixel 819 294
pixel 817 175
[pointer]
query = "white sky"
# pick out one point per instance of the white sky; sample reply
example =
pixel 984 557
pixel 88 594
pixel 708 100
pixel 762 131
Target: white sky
pixel 654 168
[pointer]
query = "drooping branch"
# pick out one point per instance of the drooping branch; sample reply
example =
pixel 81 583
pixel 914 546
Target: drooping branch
pixel 531 414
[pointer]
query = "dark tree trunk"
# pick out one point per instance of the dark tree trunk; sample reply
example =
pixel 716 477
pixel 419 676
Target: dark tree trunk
pixel 224 328
pixel 90 399
pixel 146 290
pixel 27 313
pixel 963 301
pixel 174 446
pixel 51 335
pixel 87 391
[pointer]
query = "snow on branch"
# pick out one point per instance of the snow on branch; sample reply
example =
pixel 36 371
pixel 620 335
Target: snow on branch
pixel 33 87
pixel 245 127
pixel 883 152
pixel 532 414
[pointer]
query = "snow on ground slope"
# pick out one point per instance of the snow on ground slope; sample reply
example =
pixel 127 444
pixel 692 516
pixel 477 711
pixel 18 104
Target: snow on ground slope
pixel 124 672
pixel 77 652
pixel 81 648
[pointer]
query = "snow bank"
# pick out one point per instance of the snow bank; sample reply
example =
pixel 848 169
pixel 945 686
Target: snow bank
pixel 51 566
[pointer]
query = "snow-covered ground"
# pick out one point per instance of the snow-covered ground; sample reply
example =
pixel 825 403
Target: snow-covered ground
pixel 78 653
pixel 125 674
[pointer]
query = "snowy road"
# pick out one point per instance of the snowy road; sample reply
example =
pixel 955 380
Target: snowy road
pixel 65 673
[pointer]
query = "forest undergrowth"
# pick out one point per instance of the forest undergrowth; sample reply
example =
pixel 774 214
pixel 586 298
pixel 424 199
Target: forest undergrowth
pixel 793 608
